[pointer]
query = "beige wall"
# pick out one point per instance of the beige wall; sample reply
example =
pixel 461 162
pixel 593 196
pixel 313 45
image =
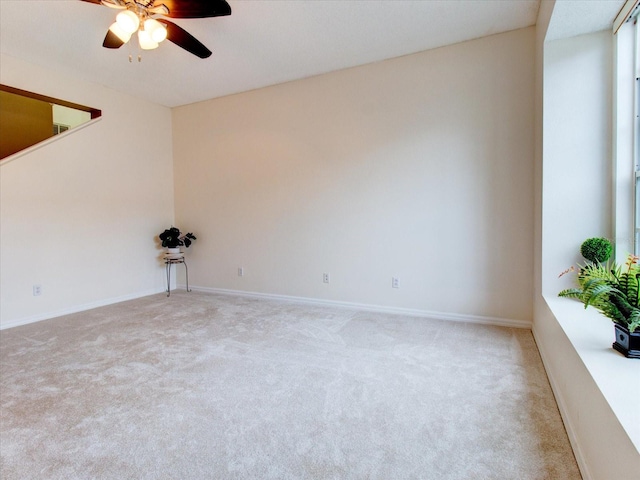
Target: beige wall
pixel 78 216
pixel 419 167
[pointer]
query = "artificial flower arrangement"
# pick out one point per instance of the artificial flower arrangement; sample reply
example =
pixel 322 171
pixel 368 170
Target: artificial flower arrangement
pixel 173 238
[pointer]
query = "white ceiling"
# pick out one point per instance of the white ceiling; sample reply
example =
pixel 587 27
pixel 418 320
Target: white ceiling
pixel 263 42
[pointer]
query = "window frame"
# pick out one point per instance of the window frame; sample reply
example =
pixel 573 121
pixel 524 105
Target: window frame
pixel 636 129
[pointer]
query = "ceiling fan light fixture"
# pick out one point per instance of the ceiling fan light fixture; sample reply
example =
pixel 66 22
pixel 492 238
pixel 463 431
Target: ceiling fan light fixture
pixel 117 30
pixel 128 21
pixel 138 15
pixel 156 30
pixel 146 42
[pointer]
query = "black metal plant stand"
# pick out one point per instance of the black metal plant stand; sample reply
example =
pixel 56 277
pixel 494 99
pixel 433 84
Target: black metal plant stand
pixel 168 261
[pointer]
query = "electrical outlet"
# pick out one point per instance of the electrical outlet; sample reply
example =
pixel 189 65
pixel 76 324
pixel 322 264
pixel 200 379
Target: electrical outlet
pixel 37 290
pixel 325 277
pixel 395 283
pixel 240 272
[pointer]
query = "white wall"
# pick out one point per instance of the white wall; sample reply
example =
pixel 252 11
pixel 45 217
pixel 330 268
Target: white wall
pixel 79 215
pixel 419 167
pixel 592 383
pixel 576 192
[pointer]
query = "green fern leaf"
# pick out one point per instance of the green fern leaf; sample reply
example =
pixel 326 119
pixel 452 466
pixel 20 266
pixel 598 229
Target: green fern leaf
pixel 633 321
pixel 571 293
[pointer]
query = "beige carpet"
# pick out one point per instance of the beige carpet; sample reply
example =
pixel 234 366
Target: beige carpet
pixel 201 386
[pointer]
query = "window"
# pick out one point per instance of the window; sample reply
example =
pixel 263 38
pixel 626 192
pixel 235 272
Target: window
pixel 626 133
pixel 59 128
pixel 636 128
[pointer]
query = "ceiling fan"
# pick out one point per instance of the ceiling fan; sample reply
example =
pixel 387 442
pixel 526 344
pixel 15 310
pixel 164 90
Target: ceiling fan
pixel 142 16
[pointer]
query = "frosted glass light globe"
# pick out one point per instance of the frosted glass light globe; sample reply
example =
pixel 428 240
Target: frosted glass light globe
pixel 128 21
pixel 117 30
pixel 157 31
pixel 146 42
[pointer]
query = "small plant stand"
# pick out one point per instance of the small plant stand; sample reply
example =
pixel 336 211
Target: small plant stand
pixel 175 259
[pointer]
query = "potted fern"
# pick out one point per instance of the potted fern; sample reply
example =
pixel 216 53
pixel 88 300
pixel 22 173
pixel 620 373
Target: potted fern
pixel 613 290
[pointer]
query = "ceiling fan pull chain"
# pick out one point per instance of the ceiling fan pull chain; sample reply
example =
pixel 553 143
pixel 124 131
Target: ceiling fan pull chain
pixel 129 58
pixel 139 58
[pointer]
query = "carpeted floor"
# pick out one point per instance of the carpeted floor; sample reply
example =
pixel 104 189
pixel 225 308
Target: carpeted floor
pixel 202 386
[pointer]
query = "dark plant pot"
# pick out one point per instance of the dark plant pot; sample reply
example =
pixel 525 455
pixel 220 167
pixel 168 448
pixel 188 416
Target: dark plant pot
pixel 627 343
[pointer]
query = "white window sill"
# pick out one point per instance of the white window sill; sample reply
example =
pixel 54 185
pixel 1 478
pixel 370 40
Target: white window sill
pixel 618 378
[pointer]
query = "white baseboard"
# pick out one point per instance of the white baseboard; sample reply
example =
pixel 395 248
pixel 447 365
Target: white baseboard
pixel 564 411
pixel 77 308
pixel 454 317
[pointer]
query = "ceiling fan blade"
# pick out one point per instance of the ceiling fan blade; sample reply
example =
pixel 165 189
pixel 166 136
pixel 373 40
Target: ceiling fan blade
pixel 117 4
pixel 159 9
pixel 195 8
pixel 111 40
pixel 108 3
pixel 184 39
